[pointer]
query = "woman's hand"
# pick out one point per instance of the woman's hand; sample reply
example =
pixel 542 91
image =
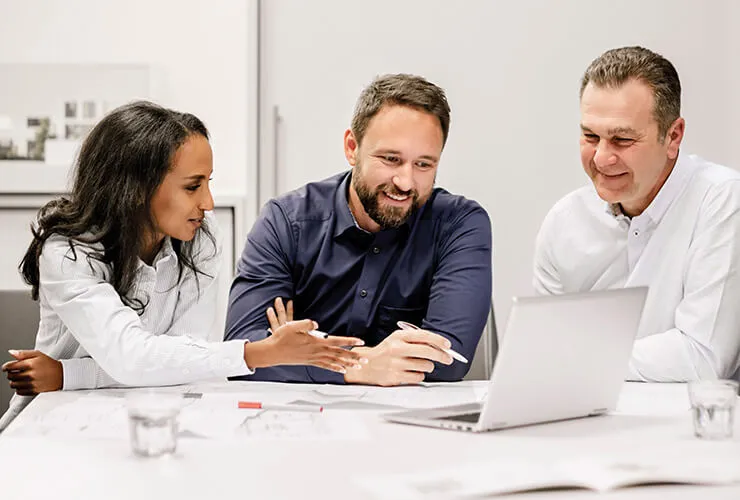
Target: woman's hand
pixel 290 344
pixel 33 372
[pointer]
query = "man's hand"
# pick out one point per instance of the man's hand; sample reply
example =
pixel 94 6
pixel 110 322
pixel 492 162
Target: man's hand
pixel 280 314
pixel 404 357
pixel 33 372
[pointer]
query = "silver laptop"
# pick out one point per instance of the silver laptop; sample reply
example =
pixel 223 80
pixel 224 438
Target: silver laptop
pixel 562 356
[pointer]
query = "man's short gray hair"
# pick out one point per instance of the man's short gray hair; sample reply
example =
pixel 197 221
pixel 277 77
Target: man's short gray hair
pixel 615 67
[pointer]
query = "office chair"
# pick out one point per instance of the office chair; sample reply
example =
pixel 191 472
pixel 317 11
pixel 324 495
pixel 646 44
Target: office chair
pixel 19 322
pixel 485 353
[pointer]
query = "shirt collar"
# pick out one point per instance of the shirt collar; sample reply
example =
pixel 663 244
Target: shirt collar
pixel 345 220
pixel 166 253
pixel 673 186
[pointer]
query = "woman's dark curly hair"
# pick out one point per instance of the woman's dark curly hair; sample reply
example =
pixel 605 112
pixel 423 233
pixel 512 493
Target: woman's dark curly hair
pixel 121 164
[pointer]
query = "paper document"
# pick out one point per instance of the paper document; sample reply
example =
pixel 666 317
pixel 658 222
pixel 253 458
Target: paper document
pixel 92 416
pixel 217 416
pixel 427 395
pixel 408 397
pixel 497 478
pixel 424 396
pixel 214 416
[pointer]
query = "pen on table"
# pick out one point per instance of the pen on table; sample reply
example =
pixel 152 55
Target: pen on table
pixel 455 355
pixel 256 405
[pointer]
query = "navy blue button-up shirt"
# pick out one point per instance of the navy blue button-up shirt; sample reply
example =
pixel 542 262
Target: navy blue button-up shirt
pixel 434 271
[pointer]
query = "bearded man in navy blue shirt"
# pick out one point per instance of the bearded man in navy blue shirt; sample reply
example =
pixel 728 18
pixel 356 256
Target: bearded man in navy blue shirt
pixel 372 246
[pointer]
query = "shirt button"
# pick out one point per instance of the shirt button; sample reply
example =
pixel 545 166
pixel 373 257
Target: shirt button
pixel 636 233
pixel 376 250
pixel 363 293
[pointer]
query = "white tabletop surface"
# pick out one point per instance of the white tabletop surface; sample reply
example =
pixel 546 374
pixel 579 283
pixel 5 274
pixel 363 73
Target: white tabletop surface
pixel 648 417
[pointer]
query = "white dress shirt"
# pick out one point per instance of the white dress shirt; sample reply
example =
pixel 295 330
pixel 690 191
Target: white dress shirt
pixel 685 246
pixel 101 342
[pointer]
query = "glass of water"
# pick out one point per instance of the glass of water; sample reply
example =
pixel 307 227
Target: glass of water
pixel 153 422
pixel 713 407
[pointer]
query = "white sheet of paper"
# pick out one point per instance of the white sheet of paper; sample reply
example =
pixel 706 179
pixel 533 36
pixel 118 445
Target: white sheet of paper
pixel 595 473
pixel 217 416
pixel 606 474
pixel 424 396
pixel 409 397
pixel 461 481
pixel 213 416
pixel 350 396
pixel 92 416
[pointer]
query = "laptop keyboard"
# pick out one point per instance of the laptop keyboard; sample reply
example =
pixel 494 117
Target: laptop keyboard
pixel 465 417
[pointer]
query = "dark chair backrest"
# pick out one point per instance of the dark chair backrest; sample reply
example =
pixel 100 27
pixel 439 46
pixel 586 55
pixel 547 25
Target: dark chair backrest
pixel 485 354
pixel 19 322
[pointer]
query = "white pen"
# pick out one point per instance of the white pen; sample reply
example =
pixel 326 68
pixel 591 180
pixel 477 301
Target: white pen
pixel 318 334
pixel 314 333
pixel 455 355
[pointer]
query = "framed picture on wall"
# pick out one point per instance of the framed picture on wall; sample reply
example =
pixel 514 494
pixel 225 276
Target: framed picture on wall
pixel 46 110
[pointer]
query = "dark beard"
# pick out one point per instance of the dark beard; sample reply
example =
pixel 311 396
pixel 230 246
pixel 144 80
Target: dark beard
pixel 388 217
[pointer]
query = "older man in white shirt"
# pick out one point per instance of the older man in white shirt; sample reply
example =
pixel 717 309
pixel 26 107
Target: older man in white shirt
pixel 654 216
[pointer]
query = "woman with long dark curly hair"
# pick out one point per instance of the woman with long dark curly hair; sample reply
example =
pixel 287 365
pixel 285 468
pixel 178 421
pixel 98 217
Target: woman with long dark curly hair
pixel 125 268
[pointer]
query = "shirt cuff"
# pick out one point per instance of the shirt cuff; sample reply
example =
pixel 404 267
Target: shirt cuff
pixel 228 360
pixel 78 373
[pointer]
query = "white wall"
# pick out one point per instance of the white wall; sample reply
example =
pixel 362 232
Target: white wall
pixel 197 50
pixel 511 70
pixel 732 39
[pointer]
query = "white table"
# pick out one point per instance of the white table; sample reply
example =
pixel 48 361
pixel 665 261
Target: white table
pixel 648 416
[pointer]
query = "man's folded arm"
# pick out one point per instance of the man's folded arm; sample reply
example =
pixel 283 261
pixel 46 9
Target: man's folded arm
pixel 460 296
pixel 263 274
